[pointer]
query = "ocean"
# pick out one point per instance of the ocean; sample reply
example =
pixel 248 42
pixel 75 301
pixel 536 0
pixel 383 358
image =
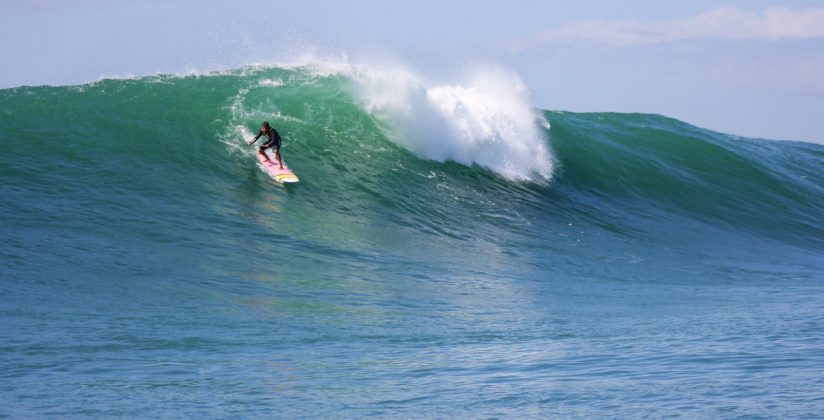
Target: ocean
pixel 450 251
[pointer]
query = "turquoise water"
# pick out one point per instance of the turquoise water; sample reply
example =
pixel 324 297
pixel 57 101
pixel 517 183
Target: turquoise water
pixel 601 264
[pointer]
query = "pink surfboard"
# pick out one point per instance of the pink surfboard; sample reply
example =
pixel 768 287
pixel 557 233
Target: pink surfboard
pixel 272 168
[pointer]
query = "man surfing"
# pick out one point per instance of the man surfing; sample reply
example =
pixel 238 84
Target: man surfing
pixel 273 141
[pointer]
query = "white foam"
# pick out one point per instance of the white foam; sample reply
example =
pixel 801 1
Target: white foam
pixel 486 118
pixel 270 83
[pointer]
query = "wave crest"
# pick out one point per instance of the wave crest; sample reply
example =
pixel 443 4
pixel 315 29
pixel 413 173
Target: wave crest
pixel 485 119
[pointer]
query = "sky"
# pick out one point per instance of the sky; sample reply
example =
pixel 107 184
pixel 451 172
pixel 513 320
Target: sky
pixel 752 68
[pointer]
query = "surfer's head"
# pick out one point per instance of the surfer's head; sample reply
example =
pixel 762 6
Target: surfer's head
pixel 265 126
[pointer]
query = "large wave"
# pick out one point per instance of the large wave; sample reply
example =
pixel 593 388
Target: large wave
pixel 379 144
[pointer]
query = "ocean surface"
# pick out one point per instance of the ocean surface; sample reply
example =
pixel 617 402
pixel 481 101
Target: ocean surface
pixel 449 252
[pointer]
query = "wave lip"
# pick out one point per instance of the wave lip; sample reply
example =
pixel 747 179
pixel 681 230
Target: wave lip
pixel 486 119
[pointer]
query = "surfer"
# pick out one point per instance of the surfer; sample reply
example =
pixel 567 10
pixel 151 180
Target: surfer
pixel 273 141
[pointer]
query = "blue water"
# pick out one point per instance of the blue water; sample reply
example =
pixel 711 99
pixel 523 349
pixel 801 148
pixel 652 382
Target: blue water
pixel 644 267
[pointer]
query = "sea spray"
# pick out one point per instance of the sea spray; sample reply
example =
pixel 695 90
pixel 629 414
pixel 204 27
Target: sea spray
pixel 486 119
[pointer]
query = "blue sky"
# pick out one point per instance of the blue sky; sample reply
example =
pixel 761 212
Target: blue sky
pixel 753 68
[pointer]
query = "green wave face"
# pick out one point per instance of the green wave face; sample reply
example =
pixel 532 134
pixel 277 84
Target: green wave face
pixel 444 172
pixel 658 166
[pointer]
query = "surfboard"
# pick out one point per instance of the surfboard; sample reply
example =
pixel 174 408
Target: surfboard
pixel 272 168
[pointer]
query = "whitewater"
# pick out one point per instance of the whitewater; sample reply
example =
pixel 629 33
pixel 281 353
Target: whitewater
pixel 450 251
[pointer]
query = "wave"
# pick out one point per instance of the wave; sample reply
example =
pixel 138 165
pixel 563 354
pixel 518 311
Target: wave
pixel 657 163
pixel 468 160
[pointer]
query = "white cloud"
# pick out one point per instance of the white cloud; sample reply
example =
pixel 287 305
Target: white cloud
pixel 723 23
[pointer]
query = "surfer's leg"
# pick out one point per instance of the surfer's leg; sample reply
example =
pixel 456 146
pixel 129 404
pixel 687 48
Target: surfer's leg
pixel 262 151
pixel 277 155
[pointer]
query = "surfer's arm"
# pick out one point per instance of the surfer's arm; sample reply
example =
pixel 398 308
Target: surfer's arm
pixel 260 133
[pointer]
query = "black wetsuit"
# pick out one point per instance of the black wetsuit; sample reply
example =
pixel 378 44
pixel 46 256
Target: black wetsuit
pixel 273 141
